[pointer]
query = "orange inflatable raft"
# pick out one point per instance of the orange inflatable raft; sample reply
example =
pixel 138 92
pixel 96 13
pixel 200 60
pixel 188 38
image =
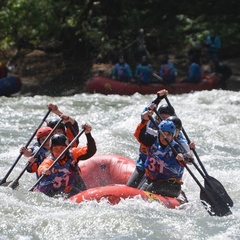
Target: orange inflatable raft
pixel 106 176
pixel 104 85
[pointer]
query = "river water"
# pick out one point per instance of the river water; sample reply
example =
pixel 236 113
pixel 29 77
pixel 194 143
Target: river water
pixel 210 118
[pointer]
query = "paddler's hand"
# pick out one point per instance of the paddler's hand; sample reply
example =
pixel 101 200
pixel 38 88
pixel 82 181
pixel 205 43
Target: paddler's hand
pixel 192 145
pixel 46 172
pixel 145 115
pixel 180 157
pixel 87 128
pixel 26 151
pixel 162 93
pixel 53 108
pixel 188 157
pixel 66 119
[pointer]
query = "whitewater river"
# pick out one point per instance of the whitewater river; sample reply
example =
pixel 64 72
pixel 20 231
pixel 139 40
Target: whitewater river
pixel 210 118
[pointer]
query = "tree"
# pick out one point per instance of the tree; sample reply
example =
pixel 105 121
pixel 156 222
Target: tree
pixel 87 31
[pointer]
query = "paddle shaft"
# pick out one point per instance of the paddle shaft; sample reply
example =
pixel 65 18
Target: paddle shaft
pixel 15 183
pixel 196 166
pixel 200 162
pixel 58 158
pixel 188 140
pixel 20 155
pixel 213 183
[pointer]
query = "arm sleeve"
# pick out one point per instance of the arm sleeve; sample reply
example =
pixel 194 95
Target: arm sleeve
pixel 86 152
pixel 31 168
pixel 44 165
pixel 142 136
pixel 72 131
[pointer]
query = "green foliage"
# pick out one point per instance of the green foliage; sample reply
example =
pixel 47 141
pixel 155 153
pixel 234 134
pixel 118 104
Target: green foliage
pixel 100 29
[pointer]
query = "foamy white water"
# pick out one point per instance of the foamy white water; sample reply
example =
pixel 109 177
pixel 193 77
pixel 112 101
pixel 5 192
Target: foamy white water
pixel 210 118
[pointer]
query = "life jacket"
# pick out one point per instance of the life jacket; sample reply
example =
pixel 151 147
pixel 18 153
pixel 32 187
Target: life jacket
pixel 122 71
pixel 144 73
pixel 167 72
pixel 62 178
pixel 43 153
pixel 162 164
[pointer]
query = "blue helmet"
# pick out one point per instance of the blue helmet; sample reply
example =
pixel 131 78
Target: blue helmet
pixel 167 126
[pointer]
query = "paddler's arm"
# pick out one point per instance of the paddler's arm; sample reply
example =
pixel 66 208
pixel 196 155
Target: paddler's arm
pixel 44 166
pixel 141 133
pixel 88 151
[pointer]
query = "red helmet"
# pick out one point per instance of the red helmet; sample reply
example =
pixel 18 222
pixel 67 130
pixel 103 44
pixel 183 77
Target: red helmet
pixel 43 132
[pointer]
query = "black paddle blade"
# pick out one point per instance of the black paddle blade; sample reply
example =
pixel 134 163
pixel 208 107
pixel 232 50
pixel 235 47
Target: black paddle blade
pixel 4 183
pixel 218 187
pixel 14 185
pixel 1 182
pixel 213 203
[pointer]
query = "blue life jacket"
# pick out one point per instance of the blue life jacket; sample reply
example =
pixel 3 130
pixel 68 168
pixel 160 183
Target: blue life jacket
pixel 168 72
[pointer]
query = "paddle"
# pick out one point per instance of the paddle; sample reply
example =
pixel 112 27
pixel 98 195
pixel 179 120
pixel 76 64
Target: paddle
pixel 209 181
pixel 157 77
pixel 15 183
pixel 57 159
pixel 217 206
pixel 3 181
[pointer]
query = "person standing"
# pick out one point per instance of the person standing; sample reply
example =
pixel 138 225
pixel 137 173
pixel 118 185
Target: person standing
pixel 213 45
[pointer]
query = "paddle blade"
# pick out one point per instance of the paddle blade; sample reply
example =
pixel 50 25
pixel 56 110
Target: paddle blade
pixel 14 184
pixel 213 203
pixel 218 187
pixel 4 183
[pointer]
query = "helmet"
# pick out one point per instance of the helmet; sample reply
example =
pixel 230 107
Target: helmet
pixel 167 126
pixel 59 140
pixel 43 132
pixel 53 123
pixel 177 122
pixel 166 109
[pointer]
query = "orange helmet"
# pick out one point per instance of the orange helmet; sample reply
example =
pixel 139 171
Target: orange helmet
pixel 43 132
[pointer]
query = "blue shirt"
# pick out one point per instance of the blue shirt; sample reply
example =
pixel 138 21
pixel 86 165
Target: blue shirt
pixel 122 71
pixel 144 73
